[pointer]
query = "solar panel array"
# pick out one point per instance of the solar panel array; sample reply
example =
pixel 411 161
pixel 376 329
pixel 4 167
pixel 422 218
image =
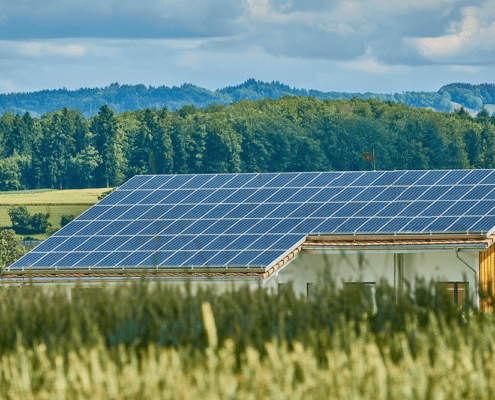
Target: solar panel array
pixel 253 220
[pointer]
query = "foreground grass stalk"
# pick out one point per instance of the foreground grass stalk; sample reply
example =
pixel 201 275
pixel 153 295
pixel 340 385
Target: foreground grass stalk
pixel 164 373
pixel 143 342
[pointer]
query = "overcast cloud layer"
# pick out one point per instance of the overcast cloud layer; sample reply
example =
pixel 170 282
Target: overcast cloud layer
pixel 353 46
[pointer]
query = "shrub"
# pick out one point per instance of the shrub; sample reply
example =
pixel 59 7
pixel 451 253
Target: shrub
pixel 19 216
pixel 39 222
pixel 66 219
pixel 10 248
pixel 23 221
pixel 105 194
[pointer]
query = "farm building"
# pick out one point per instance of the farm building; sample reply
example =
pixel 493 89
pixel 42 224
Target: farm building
pixel 273 228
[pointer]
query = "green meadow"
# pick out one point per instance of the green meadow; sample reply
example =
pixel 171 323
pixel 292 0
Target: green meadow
pixel 55 202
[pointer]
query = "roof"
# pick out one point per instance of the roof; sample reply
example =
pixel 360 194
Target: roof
pixel 257 220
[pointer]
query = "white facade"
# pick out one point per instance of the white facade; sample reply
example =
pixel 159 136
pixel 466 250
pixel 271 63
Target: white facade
pixel 373 266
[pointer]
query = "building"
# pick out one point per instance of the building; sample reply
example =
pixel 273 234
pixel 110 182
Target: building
pixel 274 228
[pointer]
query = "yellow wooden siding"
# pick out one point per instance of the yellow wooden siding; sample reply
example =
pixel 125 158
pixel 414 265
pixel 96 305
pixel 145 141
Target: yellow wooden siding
pixel 487 277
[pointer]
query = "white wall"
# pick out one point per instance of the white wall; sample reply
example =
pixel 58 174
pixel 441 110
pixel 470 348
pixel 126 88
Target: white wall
pixel 372 267
pixel 219 285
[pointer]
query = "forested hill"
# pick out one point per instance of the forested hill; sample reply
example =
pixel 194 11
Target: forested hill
pixel 63 149
pixel 136 97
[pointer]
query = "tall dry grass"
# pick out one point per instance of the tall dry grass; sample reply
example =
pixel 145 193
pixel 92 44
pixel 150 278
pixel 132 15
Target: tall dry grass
pixel 411 348
pixel 363 371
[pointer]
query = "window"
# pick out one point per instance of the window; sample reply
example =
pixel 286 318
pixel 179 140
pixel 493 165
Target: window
pixel 310 290
pixel 368 288
pixel 457 291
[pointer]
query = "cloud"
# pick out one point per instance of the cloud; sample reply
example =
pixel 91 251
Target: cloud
pixel 117 18
pixel 394 32
pixel 6 86
pixel 349 45
pixel 470 41
pixel 41 49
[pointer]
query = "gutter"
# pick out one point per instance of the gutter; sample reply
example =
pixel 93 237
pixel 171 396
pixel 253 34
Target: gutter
pixel 398 248
pixel 475 275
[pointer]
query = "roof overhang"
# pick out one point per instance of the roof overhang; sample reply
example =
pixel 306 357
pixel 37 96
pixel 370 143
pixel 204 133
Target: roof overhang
pixel 399 243
pixel 109 274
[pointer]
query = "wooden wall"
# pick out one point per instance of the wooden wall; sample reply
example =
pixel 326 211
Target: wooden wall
pixel 487 278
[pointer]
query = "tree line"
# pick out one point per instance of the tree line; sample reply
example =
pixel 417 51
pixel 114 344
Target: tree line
pixel 123 98
pixel 65 150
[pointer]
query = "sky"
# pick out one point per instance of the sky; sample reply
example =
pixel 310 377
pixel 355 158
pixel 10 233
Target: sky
pixel 383 46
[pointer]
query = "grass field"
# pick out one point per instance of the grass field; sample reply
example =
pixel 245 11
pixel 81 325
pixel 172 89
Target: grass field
pixel 139 341
pixel 76 196
pixel 56 203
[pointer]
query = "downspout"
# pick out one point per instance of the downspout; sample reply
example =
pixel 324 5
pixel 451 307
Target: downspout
pixel 475 275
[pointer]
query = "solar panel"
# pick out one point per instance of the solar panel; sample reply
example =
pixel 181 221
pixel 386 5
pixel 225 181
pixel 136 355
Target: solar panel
pixel 374 225
pixel 395 224
pixel 285 225
pixel 261 180
pixel 476 176
pixel 393 209
pixel 244 242
pixel 135 212
pixel 304 195
pixel 155 197
pixel 369 194
pixel 200 258
pixel 242 226
pixel 417 224
pixel 431 177
pixel 388 178
pixel 302 180
pixel 135 258
pixel 351 225
pixel 91 259
pixel 390 194
pixel 410 178
pixel 453 177
pixel 367 179
pixel 259 196
pixel 155 182
pixel 219 211
pixel 176 182
pixel 283 180
pixel 218 181
pixel 136 182
pixel 113 259
pixel 154 259
pixel 346 179
pixel 415 208
pixel 197 181
pixel 239 181
pixel 282 195
pixel 251 219
pixel 92 243
pixel 308 225
pixel 177 196
pixel 114 198
pixel 70 259
pixel 266 257
pixel 371 209
pixel 134 197
pixel 325 179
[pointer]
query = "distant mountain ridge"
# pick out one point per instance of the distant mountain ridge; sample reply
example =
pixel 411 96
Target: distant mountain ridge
pixel 134 97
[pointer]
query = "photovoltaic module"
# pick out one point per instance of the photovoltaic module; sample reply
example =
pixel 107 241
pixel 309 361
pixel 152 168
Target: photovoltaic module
pixel 254 220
